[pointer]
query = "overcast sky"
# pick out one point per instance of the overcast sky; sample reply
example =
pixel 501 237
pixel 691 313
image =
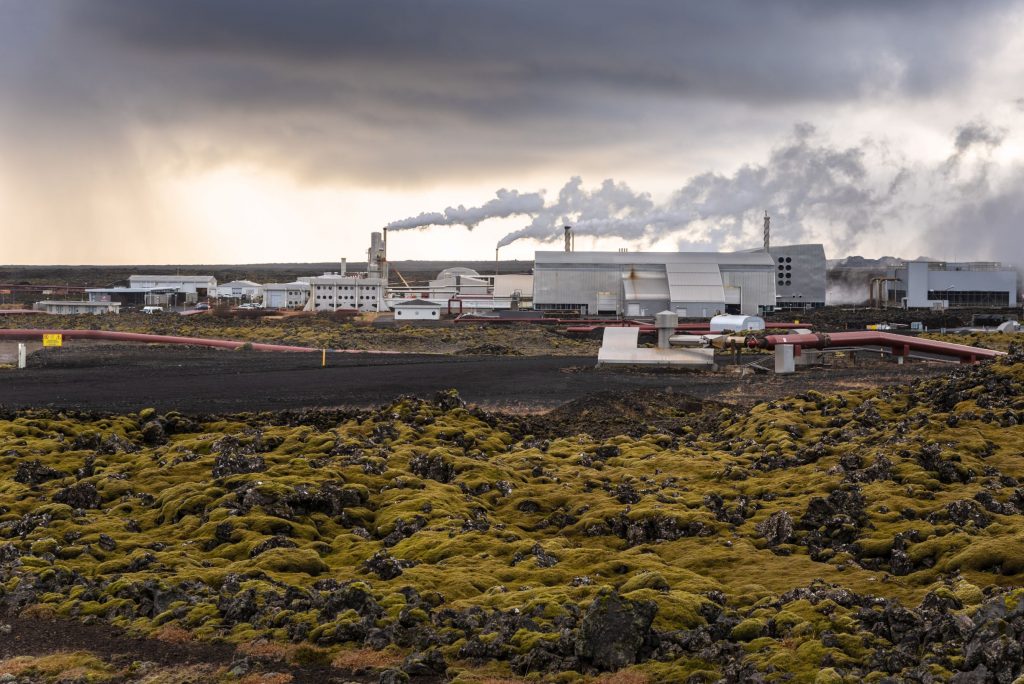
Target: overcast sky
pixel 192 131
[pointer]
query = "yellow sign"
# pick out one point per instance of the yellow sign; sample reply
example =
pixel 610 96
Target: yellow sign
pixel 55 340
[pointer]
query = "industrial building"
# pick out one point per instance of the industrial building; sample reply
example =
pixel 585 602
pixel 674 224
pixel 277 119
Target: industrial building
pixel 417 310
pixel 800 279
pixel 242 290
pixel 464 290
pixel 134 297
pixel 292 295
pixel 940 284
pixel 75 308
pixel 692 284
pixel 193 287
pixel 334 291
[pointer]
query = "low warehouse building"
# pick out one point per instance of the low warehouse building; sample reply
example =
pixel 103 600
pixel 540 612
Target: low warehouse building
pixel 193 287
pixel 133 297
pixel 242 290
pixel 931 284
pixel 691 284
pixel 285 295
pixel 75 308
pixel 417 309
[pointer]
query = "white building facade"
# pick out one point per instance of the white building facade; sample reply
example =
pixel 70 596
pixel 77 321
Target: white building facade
pixel 292 295
pixel 417 310
pixel 243 290
pixel 340 292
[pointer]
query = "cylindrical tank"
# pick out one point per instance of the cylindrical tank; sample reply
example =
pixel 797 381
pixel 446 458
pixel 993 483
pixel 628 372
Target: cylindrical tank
pixel 736 323
pixel 665 323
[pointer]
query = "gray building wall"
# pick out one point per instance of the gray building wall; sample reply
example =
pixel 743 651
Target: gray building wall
pixel 800 275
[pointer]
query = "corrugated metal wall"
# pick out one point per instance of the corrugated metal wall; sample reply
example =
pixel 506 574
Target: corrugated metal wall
pixel 558 283
pixel 757 289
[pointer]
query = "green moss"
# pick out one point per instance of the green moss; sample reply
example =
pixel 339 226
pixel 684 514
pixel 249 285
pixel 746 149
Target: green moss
pixel 749 629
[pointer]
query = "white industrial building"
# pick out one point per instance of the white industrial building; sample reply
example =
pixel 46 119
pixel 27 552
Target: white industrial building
pixel 339 291
pixel 692 284
pixel 940 284
pixel 243 290
pixel 418 309
pixel 193 287
pixel 75 308
pixel 292 295
pixel 465 290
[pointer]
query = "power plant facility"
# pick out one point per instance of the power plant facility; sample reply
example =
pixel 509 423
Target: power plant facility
pixel 690 284
pixel 800 276
pixel 943 285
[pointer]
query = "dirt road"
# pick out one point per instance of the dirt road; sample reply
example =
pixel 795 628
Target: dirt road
pixel 127 378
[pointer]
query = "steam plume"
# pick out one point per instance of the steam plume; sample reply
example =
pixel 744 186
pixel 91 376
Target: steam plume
pixel 815 191
pixel 506 203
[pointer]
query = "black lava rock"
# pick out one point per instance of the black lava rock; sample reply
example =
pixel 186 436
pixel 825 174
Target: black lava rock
pixel 613 631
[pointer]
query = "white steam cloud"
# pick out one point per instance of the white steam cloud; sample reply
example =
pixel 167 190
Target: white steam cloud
pixel 814 191
pixel 506 203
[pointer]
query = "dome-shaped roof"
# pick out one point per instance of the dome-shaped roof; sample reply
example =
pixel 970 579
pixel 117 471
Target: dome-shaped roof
pixel 457 270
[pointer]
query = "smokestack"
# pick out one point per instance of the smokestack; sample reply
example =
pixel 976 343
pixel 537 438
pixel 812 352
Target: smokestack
pixel 568 238
pixel 496 265
pixel 767 230
pixel 344 266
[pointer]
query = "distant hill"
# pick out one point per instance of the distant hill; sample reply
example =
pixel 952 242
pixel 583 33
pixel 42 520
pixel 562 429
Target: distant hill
pixel 108 276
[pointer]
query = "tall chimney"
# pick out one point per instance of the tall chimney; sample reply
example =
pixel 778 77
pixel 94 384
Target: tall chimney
pixel 767 230
pixel 568 238
pixel 344 266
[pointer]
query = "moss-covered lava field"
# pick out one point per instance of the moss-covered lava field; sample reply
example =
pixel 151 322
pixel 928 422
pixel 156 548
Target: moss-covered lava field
pixel 873 535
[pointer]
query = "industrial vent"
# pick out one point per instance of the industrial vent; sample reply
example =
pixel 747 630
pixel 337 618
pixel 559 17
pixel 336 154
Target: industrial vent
pixel 785 272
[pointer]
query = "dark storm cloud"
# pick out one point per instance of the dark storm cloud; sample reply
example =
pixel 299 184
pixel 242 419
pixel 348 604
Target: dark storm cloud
pixel 99 96
pixel 729 48
pixel 384 90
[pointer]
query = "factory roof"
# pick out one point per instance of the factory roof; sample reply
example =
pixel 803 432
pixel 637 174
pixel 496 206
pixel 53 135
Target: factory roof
pixel 240 283
pixel 626 258
pixel 641 286
pixel 173 278
pixel 76 302
pixel 130 290
pixel 342 278
pixel 418 302
pixel 295 285
pixel 695 282
pixel 457 270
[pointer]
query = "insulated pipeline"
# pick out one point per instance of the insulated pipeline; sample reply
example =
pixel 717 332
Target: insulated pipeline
pixel 112 336
pixel 901 345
